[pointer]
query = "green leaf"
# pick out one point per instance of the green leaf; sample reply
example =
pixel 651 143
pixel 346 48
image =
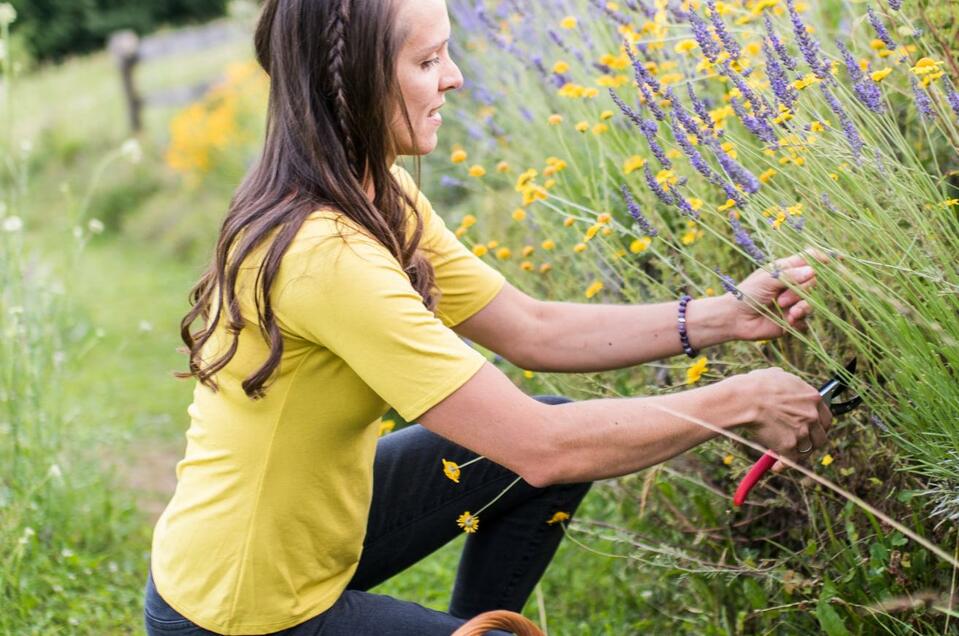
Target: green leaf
pixel 829 619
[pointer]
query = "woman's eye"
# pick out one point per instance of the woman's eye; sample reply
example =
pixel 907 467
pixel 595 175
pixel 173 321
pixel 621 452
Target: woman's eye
pixel 430 63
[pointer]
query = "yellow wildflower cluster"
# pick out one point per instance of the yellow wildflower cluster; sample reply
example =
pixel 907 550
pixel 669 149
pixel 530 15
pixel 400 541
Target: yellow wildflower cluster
pixel 221 120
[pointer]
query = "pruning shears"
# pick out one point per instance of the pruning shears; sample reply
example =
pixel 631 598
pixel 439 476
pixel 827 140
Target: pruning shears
pixel 829 392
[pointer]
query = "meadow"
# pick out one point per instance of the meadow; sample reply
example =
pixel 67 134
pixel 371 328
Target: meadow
pixel 602 152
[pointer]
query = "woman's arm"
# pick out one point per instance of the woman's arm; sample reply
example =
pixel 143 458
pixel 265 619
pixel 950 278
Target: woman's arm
pixel 598 439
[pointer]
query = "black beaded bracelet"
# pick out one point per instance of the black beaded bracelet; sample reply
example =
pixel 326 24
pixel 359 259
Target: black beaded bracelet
pixel 683 336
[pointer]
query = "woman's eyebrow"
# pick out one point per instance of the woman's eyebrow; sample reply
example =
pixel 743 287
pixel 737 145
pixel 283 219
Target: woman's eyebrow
pixel 430 49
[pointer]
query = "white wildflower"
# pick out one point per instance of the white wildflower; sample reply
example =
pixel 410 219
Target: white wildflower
pixel 8 14
pixel 78 232
pixel 26 147
pixel 55 472
pixel 66 553
pixel 95 226
pixel 132 151
pixel 12 224
pixel 146 326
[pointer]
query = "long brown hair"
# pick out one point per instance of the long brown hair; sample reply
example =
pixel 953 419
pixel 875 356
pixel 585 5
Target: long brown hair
pixel 333 92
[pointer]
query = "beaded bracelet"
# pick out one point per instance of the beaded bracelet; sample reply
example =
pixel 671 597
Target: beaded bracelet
pixel 683 336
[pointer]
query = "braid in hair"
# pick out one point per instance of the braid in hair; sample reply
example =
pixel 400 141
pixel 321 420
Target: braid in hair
pixel 336 36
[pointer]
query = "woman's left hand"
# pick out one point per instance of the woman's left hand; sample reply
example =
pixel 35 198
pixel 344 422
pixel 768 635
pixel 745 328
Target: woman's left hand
pixel 765 294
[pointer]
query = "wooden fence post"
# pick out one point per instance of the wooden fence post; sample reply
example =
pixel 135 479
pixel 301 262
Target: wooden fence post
pixel 125 46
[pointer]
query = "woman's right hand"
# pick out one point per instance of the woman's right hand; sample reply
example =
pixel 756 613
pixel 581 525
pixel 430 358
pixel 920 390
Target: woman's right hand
pixel 788 415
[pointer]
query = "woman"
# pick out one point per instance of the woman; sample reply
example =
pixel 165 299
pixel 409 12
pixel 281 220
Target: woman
pixel 336 291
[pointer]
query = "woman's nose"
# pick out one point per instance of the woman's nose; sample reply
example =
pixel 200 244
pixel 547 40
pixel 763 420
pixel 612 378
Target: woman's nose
pixel 452 79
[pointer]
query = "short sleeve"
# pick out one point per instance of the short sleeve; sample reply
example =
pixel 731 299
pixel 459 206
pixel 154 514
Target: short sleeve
pixel 466 282
pixel 351 296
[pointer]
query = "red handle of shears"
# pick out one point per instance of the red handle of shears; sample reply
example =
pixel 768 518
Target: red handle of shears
pixel 754 475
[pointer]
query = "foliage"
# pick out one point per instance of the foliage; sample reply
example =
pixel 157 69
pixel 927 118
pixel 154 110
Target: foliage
pixel 54 29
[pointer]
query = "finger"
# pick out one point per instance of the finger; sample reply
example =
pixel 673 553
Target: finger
pixel 818 435
pixel 825 416
pixel 779 467
pixel 799 275
pixel 799 311
pixel 787 299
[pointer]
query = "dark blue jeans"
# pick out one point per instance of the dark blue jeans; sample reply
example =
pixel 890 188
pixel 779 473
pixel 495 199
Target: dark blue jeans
pixel 413 513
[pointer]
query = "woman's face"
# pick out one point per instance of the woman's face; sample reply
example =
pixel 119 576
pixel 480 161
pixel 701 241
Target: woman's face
pixel 425 72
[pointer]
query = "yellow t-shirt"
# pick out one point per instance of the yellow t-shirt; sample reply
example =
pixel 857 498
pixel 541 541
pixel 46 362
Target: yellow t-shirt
pixel 266 526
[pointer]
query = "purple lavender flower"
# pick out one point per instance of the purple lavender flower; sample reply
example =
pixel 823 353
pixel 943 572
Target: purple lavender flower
pixel 852 66
pixel 729 284
pixel 650 129
pixel 745 241
pixel 685 207
pixel 778 80
pixel 688 123
pixel 637 214
pixel 869 94
pixel 732 47
pixel 923 102
pixel 953 97
pixel 656 189
pixel 617 17
pixel 629 112
pixel 778 46
pixel 700 106
pixel 703 37
pixel 734 170
pixel 695 157
pixel 558 40
pixel 828 204
pixel 895 5
pixel 881 32
pixel 643 76
pixel 651 103
pixel 808 45
pixel 450 182
pixel 848 128
pixel 756 125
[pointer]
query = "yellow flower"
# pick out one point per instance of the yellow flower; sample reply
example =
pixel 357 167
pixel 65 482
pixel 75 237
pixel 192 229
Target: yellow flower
pixel 519 214
pixel 469 523
pixel 569 22
pixel 560 67
pixel 878 76
pixel 685 46
pixel 468 221
pixel 480 250
pixel 591 232
pixel 926 65
pixel 524 179
pixel 548 244
pixel 528 375
pixel 460 231
pixel 599 129
pixel 526 266
pixel 640 245
pixel 604 218
pixel 730 203
pixel 492 245
pixel 606 114
pixel 594 289
pixel 502 166
pixel 582 126
pixel 459 156
pixel 817 126
pixel 568 221
pixel 877 45
pixel 767 175
pixel 555 120
pixel 544 268
pixel 451 470
pixel 666 178
pixel 826 459
pixel 558 518
pixel 710 291
pixel 689 237
pixel 728 459
pixel 632 163
pixel 696 204
pixel 504 253
pixel 386 426
pixel 477 171
pixel 528 251
pixel 579 248
pixel 695 372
